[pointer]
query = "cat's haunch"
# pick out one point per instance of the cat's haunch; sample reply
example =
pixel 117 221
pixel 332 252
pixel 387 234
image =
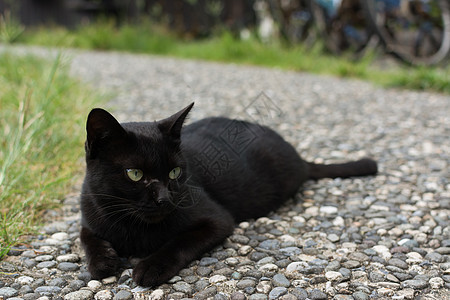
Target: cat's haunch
pixel 166 194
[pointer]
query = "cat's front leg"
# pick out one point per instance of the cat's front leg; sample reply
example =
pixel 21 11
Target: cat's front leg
pixel 181 250
pixel 102 259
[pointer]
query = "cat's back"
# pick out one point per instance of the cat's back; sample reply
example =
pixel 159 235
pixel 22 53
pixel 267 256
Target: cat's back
pixel 236 160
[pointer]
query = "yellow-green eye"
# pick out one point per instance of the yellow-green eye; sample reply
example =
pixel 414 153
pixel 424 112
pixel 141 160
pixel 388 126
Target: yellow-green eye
pixel 135 174
pixel 175 173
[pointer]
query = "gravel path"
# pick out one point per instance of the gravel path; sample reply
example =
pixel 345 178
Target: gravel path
pixel 382 237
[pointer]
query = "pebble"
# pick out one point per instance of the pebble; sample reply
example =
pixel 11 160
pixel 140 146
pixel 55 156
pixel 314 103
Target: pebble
pixel 80 295
pixel 68 266
pixel 279 280
pixel 104 295
pixel 123 295
pixel 183 287
pixel 94 285
pixel 8 292
pixel 277 292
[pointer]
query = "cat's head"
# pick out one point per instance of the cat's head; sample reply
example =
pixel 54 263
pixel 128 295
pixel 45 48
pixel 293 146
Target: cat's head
pixel 134 168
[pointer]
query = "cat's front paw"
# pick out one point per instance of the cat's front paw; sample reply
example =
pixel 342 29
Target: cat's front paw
pixel 151 272
pixel 104 263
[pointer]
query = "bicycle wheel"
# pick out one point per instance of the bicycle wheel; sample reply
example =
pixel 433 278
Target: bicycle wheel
pixel 416 31
pixel 343 25
pixel 293 17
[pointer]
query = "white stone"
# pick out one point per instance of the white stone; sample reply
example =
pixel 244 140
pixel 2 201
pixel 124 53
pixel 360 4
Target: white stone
pixel 296 266
pixel 157 295
pixel 329 210
pixel 42 258
pixel 109 280
pixel 60 236
pixel 264 287
pixel 269 267
pixel 333 276
pixel 24 280
pixel 436 282
pixel 244 250
pixel 414 258
pixel 94 285
pixel 339 221
pixel 72 257
pixel 383 251
pixel 104 295
pixel 217 278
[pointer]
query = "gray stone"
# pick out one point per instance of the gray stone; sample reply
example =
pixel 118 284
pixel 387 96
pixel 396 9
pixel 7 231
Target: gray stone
pixel 245 283
pixel 203 271
pixel 316 294
pixel 46 264
pixel 206 293
pixel 8 292
pixel 60 282
pixel 270 244
pixel 435 257
pixel 277 292
pixel 29 263
pixel 398 263
pixel 77 284
pixel 415 284
pixel 123 295
pixel 360 296
pixel 183 287
pixel 48 290
pixel 237 296
pixel 68 266
pixel 257 297
pixel 207 261
pixel 300 293
pixel 279 280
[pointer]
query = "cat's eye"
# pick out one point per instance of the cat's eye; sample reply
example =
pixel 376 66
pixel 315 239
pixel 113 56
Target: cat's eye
pixel 135 174
pixel 175 173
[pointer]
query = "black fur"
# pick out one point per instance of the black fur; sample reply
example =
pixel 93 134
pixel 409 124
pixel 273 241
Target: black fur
pixel 230 171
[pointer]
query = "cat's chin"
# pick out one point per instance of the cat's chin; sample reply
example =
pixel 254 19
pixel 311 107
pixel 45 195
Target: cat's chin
pixel 154 217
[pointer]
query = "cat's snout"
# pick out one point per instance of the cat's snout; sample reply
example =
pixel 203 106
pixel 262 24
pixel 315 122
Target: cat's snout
pixel 160 193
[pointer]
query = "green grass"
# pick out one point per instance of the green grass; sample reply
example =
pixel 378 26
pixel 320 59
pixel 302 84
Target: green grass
pixel 42 115
pixel 148 38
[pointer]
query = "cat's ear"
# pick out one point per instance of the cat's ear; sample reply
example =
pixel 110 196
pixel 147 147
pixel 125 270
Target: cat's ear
pixel 101 128
pixel 172 125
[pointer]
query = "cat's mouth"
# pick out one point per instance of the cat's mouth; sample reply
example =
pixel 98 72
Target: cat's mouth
pixel 155 214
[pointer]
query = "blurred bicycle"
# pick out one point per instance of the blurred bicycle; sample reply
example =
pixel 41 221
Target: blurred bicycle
pixel 415 31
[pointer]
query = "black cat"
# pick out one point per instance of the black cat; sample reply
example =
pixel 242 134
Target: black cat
pixel 167 195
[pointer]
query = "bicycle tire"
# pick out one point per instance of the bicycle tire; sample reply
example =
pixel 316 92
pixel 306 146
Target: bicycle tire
pixel 404 44
pixel 334 28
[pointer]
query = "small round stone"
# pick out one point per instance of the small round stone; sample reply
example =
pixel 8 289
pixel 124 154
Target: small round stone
pixel 245 284
pixel 436 282
pixel 79 295
pixel 183 287
pixel 279 280
pixel 46 264
pixel 123 295
pixel 8 292
pixel 68 258
pixel 94 285
pixel 104 295
pixel 277 293
pixel 68 266
pixel 23 280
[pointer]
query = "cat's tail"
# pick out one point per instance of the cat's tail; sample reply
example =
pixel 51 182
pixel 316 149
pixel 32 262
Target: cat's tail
pixel 362 167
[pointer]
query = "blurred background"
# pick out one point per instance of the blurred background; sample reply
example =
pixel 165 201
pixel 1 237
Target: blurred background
pixel 417 32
